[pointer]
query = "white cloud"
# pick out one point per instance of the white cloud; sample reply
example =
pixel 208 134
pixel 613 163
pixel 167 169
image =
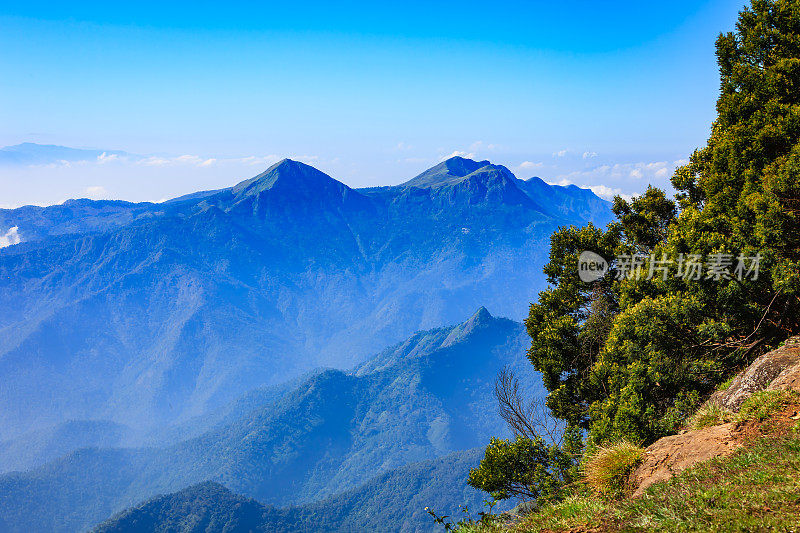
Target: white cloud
pixel 480 145
pixel 526 165
pixel 560 153
pixel 258 160
pixel 562 183
pixel 107 158
pixel 458 153
pixel 608 193
pixel 96 192
pixel 182 160
pixel 10 238
pixel 589 155
pixel 622 172
pixel 403 146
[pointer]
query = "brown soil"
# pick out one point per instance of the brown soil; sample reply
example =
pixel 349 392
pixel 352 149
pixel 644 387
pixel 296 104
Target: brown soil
pixel 779 423
pixel 670 455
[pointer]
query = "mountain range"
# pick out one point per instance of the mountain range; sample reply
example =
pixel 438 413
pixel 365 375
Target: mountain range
pixel 231 345
pixel 322 440
pixel 144 314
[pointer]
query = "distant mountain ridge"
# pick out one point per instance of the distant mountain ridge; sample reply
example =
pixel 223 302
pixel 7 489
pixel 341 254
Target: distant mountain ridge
pixel 394 501
pixel 422 399
pixel 155 313
pixel 41 154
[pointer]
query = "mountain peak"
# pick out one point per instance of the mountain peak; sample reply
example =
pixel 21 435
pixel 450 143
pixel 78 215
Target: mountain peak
pixel 288 174
pixel 466 182
pixel 480 320
pixel 447 172
pixel 481 315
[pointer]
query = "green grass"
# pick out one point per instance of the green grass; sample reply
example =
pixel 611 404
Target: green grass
pixel 607 469
pixel 710 414
pixel 763 404
pixel 755 489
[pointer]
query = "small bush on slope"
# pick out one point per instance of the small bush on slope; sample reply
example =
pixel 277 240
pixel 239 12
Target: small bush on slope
pixel 607 469
pixel 710 414
pixel 524 468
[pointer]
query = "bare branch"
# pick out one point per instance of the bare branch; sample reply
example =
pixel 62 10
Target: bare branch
pixel 526 419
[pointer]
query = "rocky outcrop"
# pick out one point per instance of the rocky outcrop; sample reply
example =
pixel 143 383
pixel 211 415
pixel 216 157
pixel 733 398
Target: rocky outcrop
pixel 789 378
pixel 760 374
pixel 775 370
pixel 670 455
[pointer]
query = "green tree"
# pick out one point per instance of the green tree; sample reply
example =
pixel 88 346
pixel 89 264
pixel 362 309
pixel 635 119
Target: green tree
pixel 527 468
pixel 631 357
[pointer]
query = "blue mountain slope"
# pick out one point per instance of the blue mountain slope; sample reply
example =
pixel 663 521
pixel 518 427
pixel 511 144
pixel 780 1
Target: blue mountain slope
pixel 568 201
pixel 151 314
pixel 394 501
pixel 422 399
pixel 40 446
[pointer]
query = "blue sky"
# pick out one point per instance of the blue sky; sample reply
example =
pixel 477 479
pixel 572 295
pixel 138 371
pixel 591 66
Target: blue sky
pixel 608 95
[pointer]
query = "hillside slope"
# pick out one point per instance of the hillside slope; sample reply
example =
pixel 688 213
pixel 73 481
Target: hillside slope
pixel 394 501
pixel 421 399
pixel 149 314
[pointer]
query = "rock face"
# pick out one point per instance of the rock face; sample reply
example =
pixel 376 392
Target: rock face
pixel 789 378
pixel 671 455
pixel 778 369
pixel 761 373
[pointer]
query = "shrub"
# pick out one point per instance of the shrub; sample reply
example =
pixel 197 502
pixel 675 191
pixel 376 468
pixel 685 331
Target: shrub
pixel 524 468
pixel 607 469
pixel 710 414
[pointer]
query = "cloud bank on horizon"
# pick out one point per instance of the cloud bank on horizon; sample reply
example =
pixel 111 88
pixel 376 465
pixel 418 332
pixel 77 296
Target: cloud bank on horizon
pixel 114 174
pixel 600 95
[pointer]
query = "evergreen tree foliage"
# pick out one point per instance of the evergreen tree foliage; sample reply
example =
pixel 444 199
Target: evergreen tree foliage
pixel 631 356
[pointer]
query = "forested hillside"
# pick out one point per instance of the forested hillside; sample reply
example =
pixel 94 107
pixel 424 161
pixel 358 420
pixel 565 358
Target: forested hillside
pixel 424 398
pixel 148 314
pixel 678 296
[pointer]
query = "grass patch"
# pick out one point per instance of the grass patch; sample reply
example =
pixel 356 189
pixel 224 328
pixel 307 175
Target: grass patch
pixel 725 385
pixel 710 414
pixel 763 404
pixel 755 489
pixel 579 511
pixel 606 471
